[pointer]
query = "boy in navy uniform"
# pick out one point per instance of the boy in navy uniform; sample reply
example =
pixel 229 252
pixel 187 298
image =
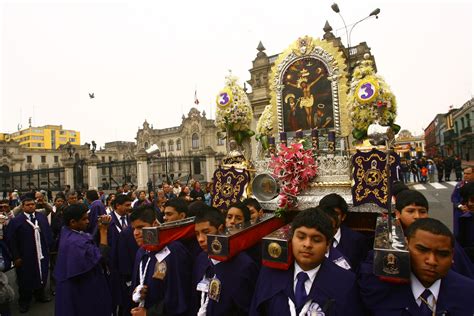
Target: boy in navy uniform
pixel 161 280
pixel 122 205
pixel 434 288
pixel 313 285
pixel 350 243
pixel 220 288
pixel 29 237
pixel 412 205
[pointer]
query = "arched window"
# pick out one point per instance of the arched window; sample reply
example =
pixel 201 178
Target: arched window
pixel 178 144
pixel 195 141
pixel 146 145
pixel 170 145
pixel 163 147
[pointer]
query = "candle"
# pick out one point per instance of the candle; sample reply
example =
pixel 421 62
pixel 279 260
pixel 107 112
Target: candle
pixel 271 140
pixel 299 134
pixel 315 139
pixel 332 136
pixel 331 141
pixel 283 139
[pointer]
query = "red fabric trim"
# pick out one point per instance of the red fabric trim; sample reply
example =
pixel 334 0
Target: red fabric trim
pixel 166 236
pixel 248 238
pixel 393 280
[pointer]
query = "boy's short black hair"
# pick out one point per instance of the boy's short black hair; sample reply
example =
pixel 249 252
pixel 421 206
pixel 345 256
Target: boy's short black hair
pixel 26 199
pixel 245 210
pixel 179 205
pixel 211 215
pixel 252 202
pixel 92 195
pixel 74 212
pixel 328 211
pixel 431 225
pixel 398 187
pixel 144 213
pixel 120 199
pixel 334 200
pixel 410 197
pixel 311 219
pixel 195 207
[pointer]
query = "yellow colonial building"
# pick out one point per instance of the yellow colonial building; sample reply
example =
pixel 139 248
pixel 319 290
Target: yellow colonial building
pixel 43 137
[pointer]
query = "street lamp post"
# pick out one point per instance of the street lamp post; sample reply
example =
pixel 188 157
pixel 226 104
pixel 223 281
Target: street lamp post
pixel 336 9
pixel 166 163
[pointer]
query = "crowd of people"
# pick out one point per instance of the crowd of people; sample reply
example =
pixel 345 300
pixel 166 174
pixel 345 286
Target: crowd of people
pixel 426 170
pixel 89 247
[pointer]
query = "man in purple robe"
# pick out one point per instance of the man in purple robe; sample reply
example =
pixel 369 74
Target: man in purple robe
pixel 29 238
pixel 313 285
pixel 97 209
pixel 81 284
pixel 126 251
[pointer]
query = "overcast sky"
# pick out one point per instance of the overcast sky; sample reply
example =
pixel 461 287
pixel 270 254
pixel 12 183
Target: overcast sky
pixel 144 59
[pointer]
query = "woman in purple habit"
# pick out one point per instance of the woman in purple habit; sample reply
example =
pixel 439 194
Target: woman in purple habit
pixel 81 287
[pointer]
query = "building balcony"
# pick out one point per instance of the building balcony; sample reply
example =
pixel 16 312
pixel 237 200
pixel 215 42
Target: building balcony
pixel 449 135
pixel 466 130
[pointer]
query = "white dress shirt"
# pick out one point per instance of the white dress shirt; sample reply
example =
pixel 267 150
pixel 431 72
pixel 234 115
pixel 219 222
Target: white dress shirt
pixel 337 238
pixel 417 289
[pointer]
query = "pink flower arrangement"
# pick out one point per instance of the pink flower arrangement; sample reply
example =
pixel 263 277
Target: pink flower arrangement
pixel 295 167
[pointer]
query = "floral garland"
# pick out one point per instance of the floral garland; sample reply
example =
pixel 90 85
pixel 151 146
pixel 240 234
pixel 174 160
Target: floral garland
pixel 234 112
pixel 295 167
pixel 370 100
pixel 265 126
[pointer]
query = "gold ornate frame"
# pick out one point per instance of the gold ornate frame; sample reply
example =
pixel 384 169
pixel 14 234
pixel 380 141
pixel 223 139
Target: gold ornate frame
pixel 334 61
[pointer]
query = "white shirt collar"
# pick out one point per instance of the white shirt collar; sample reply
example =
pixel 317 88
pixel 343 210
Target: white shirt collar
pixel 119 216
pixel 417 289
pixel 311 273
pixel 337 238
pixel 215 262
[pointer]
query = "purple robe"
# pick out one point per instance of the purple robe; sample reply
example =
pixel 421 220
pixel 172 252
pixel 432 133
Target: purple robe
pixel 20 238
pixel 334 290
pixel 387 299
pixel 237 277
pixel 97 208
pixel 336 256
pixel 172 293
pixel 81 285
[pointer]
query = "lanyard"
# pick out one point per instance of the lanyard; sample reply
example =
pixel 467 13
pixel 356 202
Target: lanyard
pixel 39 250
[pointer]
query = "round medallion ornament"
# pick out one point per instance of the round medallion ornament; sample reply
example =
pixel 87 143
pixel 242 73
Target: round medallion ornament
pixel 367 90
pixel 216 246
pixel 274 250
pixel 224 98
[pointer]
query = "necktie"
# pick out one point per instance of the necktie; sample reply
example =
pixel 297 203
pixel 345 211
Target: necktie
pixel 425 309
pixel 32 218
pixel 300 291
pixel 123 219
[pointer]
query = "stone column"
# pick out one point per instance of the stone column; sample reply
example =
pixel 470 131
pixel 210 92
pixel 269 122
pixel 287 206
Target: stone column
pixel 142 169
pixel 68 164
pixel 92 176
pixel 210 167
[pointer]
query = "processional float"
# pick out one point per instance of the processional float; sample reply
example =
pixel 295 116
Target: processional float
pixel 324 131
